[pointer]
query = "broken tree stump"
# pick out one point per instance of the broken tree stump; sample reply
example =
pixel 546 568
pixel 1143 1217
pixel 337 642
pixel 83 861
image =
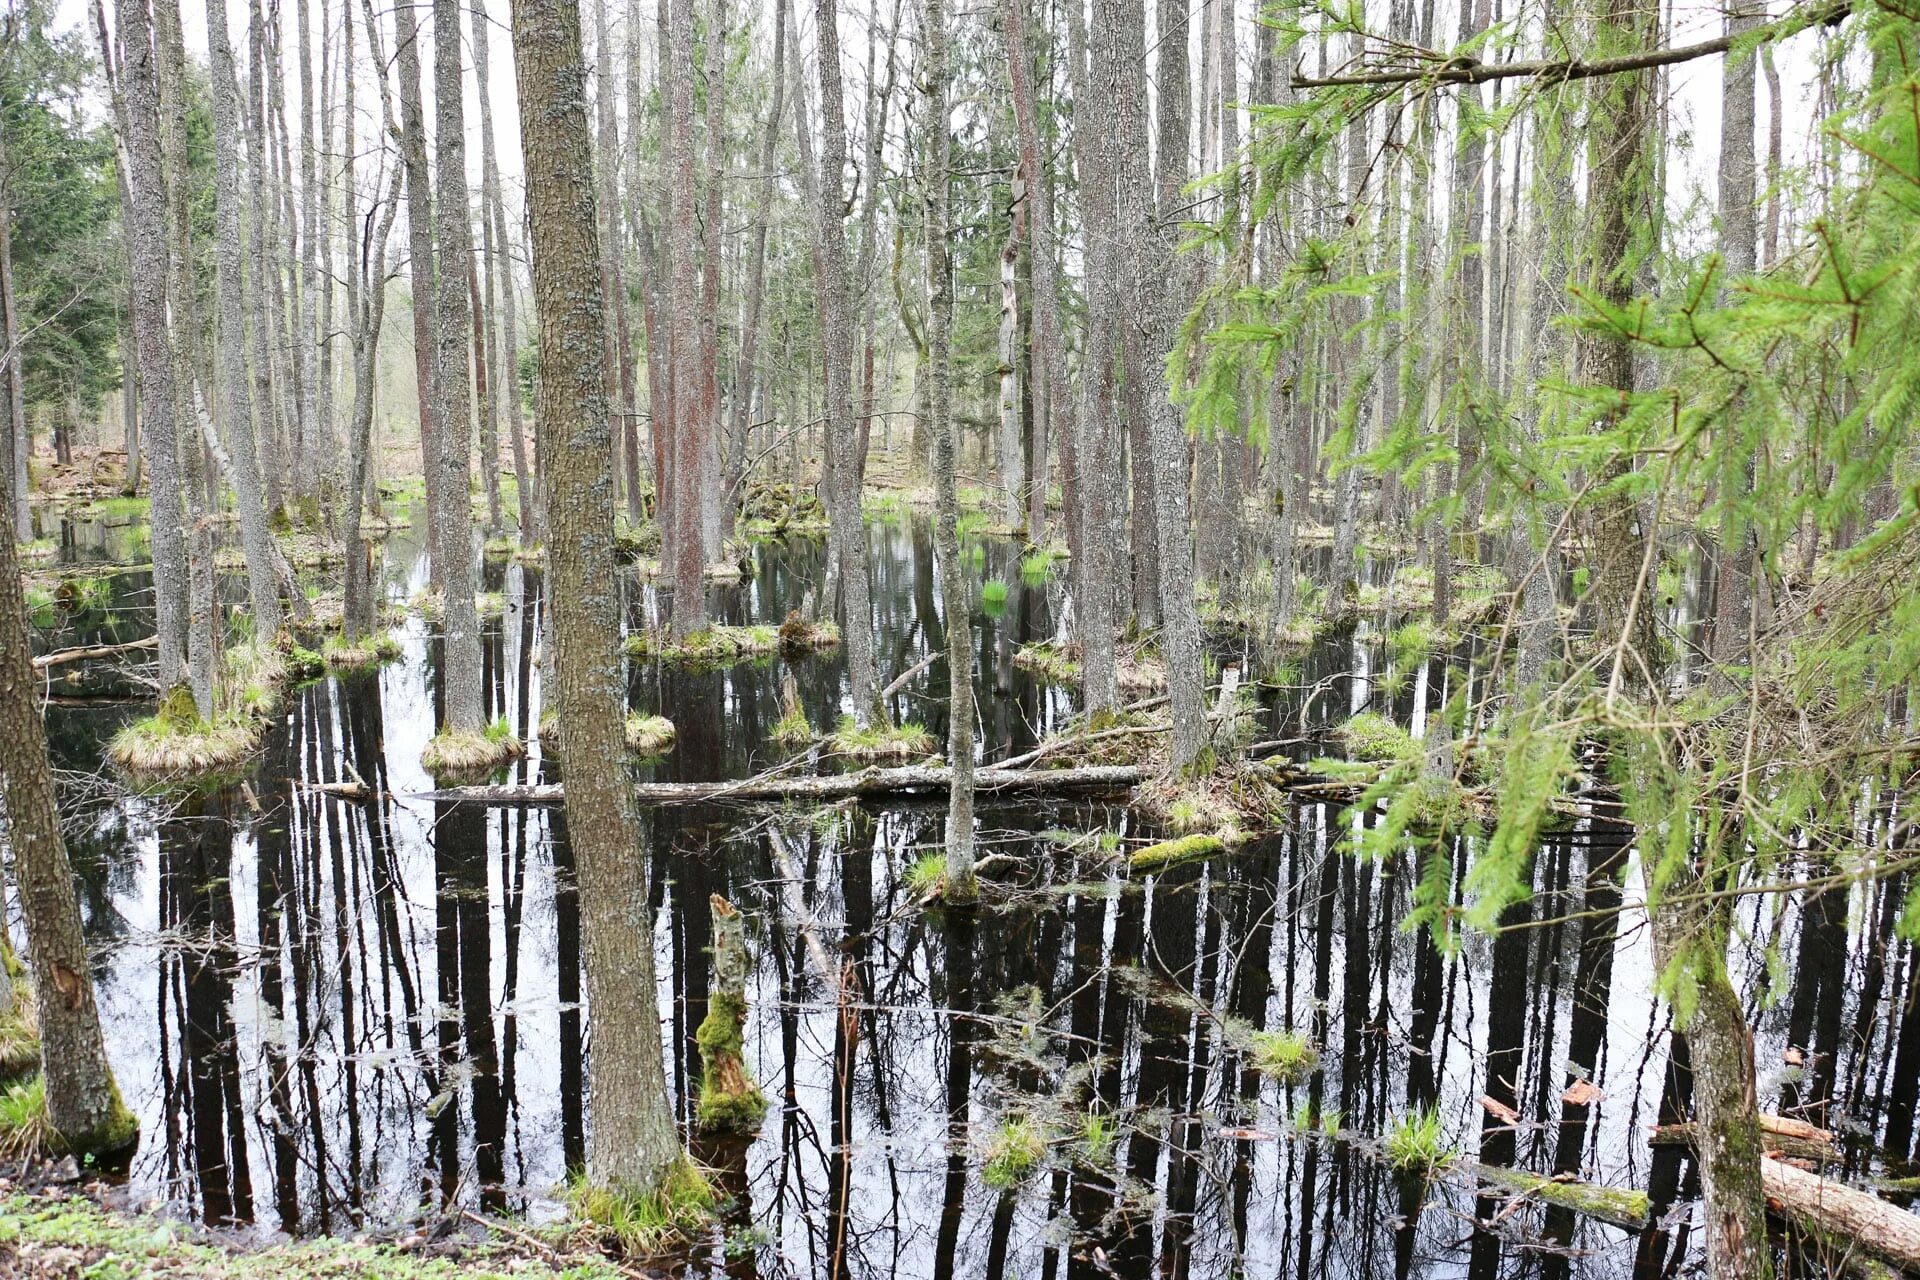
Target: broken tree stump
pixel 729 1100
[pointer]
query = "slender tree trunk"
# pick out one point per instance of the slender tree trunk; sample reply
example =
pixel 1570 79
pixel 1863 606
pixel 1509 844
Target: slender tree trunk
pixel 847 529
pixel 19 437
pixel 453 318
pixel 316 443
pixel 635 1145
pixel 83 1103
pixel 1150 323
pixel 413 151
pixel 150 272
pixel 712 524
pixel 236 422
pixel 682 540
pixel 739 432
pixel 955 588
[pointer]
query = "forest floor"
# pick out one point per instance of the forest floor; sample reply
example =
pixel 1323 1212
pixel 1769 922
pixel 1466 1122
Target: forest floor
pixel 78 1233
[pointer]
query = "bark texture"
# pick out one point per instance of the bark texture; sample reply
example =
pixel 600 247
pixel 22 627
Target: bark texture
pixel 635 1145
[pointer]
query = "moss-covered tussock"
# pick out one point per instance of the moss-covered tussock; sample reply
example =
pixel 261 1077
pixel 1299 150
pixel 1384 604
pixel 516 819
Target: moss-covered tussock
pixel 59 1235
pixel 718 645
pixel 465 754
pixel 808 635
pixel 908 741
pixel 1134 671
pixel 176 742
pixel 367 651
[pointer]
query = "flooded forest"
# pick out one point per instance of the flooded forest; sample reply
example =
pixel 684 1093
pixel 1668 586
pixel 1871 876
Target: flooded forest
pixel 1065 638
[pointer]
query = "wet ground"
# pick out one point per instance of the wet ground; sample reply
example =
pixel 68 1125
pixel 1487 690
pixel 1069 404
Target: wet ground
pixel 329 1014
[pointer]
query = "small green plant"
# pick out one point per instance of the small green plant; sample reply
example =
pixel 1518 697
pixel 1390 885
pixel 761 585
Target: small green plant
pixel 927 875
pixel 1286 1056
pixel 1036 567
pixel 1415 1144
pixel 1014 1151
pixel 1099 1134
pixel 25 1130
pixel 993 597
pixel 881 742
pixel 1372 737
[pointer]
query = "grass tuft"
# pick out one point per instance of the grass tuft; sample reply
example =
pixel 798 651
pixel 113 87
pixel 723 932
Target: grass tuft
pixel 806 635
pixel 1415 1144
pixel 927 877
pixel 458 754
pixel 718 645
pixel 175 741
pixel 1015 1150
pixel 1286 1056
pixel 25 1131
pixel 352 655
pixel 652 1223
pixel 649 735
pixel 908 741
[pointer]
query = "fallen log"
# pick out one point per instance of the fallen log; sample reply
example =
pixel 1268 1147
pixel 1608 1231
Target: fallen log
pixel 1794 1138
pixel 1838 1213
pixel 1624 1207
pixel 86 653
pixel 865 782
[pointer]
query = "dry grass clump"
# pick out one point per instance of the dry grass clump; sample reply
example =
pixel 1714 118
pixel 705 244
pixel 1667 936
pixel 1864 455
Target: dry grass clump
pixel 1134 670
pixel 649 735
pixel 20 1031
pixel 908 741
pixel 458 754
pixel 1235 797
pixel 176 742
pixel 807 635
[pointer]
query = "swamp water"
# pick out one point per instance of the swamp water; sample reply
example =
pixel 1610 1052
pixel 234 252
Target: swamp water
pixel 333 1015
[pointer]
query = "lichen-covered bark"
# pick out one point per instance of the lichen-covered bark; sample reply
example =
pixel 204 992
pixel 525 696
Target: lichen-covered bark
pixel 729 1100
pixel 681 536
pixel 739 428
pixel 635 1144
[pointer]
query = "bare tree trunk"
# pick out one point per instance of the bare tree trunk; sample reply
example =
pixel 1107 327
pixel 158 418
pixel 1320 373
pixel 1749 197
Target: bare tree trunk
pixel 83 1102
pixel 682 540
pixel 453 318
pixel 262 326
pixel 635 1145
pixel 506 370
pixel 955 589
pixel 708 496
pixel 236 422
pixel 1099 494
pixel 316 443
pixel 1149 328
pixel 739 432
pixel 847 529
pixel 19 437
pixel 413 151
pixel 151 273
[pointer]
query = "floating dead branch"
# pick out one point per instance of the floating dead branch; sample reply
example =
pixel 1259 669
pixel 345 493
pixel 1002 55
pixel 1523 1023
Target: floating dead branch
pixel 866 782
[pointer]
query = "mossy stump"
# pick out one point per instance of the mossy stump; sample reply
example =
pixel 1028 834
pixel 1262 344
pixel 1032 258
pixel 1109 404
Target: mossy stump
pixel 729 1100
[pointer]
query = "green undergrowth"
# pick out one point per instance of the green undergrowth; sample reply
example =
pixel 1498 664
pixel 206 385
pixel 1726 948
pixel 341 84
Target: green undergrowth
pixel 176 742
pixel 1416 1144
pixel 718 645
pixel 647 1225
pixel 907 741
pixel 792 730
pixel 58 1235
pixel 927 877
pixel 20 1028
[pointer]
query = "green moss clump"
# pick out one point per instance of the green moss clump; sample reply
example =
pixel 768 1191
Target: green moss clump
pixel 1167 853
pixel 1625 1207
pixel 729 1101
pixel 1016 1149
pixel 718 645
pixel 1286 1056
pixel 906 741
pixel 367 651
pixel 806 635
pixel 645 1224
pixel 1375 739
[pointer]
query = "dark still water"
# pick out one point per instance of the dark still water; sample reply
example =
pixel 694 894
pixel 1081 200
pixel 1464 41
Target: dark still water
pixel 332 1014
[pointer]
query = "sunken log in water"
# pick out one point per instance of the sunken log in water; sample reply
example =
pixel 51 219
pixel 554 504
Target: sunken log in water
pixel 866 782
pixel 1835 1211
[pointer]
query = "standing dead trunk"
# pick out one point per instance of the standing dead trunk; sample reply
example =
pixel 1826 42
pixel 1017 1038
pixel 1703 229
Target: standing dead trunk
pixel 729 1100
pixel 636 1149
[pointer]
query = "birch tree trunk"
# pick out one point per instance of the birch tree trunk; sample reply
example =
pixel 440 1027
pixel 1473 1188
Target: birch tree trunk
pixel 453 320
pixel 635 1145
pixel 955 590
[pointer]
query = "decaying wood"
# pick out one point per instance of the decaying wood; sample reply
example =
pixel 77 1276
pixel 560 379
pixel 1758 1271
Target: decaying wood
pixel 1793 1138
pixel 87 653
pixel 1837 1212
pixel 866 782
